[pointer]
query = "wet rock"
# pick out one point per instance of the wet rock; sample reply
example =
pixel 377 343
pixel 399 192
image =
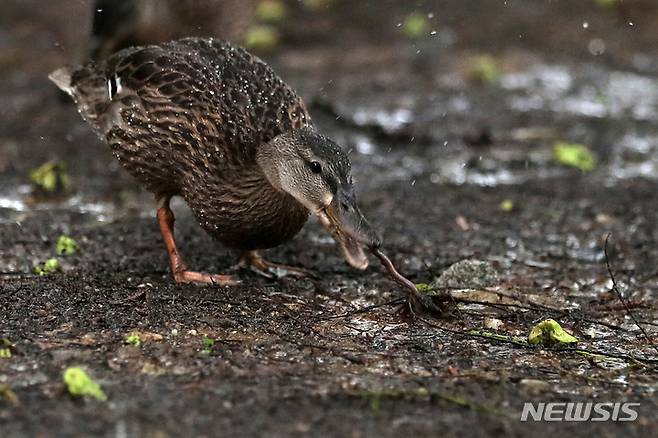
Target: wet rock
pixel 535 386
pixel 467 274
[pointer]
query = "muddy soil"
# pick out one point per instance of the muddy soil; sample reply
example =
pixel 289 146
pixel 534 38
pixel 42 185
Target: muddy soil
pixel 447 168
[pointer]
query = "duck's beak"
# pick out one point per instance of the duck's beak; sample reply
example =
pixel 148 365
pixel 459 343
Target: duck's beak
pixel 349 228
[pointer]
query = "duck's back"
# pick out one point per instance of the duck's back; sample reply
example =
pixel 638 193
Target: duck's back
pixel 186 107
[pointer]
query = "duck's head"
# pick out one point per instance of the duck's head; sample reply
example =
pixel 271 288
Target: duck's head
pixel 317 173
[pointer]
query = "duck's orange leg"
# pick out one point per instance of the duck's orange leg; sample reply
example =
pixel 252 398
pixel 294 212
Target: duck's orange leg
pixel 178 268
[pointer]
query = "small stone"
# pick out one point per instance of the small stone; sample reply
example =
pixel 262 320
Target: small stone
pixel 467 274
pixel 535 386
pixel 492 323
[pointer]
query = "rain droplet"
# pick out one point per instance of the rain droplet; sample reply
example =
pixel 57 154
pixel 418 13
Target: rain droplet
pixel 596 47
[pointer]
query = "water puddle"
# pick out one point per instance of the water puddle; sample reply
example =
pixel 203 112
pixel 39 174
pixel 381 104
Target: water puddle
pixel 16 205
pixel 587 93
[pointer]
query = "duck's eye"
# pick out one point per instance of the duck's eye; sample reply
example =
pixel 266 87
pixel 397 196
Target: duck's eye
pixel 315 167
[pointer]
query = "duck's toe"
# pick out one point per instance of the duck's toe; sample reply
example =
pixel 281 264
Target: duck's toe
pixel 255 262
pixel 199 277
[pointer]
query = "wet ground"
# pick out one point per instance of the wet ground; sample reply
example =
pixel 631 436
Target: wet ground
pixel 447 168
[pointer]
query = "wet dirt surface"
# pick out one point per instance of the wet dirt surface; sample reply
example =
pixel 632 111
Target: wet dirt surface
pixel 435 156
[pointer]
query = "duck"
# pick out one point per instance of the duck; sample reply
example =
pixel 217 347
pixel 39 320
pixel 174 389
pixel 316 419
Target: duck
pixel 206 120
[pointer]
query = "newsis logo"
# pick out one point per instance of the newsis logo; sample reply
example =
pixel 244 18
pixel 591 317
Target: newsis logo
pixel 573 411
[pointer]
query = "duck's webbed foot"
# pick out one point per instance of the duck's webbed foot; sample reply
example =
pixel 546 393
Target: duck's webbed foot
pixel 178 267
pixel 254 261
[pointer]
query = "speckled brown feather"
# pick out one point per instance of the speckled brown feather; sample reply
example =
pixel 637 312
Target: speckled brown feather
pixel 186 118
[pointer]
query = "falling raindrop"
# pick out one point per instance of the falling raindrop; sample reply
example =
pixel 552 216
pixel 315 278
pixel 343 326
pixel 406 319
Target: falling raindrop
pixel 596 47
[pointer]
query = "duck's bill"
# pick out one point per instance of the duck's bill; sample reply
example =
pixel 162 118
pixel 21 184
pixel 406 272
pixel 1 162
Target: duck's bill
pixel 350 230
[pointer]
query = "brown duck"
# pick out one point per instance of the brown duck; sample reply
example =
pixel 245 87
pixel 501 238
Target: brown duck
pixel 208 121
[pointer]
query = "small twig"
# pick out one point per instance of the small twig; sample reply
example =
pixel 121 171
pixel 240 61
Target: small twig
pixel 621 297
pixel 525 345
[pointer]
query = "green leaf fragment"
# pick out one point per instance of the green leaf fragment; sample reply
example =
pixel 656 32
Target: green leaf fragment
pixel 607 4
pixel 271 11
pixel 415 26
pixel 262 38
pixel 5 348
pixel 50 266
pixel 550 332
pixel 507 205
pixel 66 246
pixel 79 383
pixel 133 339
pixel 574 155
pixel 50 177
pixel 484 68
pixel 8 395
pixel 208 344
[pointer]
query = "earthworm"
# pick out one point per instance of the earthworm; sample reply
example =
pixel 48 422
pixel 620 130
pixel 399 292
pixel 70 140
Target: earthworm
pixel 416 299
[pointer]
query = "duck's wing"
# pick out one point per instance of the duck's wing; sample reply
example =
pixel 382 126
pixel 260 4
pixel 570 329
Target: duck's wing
pixel 215 97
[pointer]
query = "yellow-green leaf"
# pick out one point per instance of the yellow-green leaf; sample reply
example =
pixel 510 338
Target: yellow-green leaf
pixel 507 205
pixel 484 69
pixel 261 38
pixel 550 332
pixel 51 265
pixel 78 382
pixel 415 25
pixel 574 155
pixel 271 11
pixel 423 288
pixel 133 339
pixel 66 246
pixel 50 177
pixel 607 4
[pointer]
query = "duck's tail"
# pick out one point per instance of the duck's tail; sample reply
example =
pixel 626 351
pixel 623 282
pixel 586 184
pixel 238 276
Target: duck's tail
pixel 62 78
pixel 88 88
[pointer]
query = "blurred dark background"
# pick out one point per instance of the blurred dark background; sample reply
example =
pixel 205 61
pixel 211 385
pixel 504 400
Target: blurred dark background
pixel 325 48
